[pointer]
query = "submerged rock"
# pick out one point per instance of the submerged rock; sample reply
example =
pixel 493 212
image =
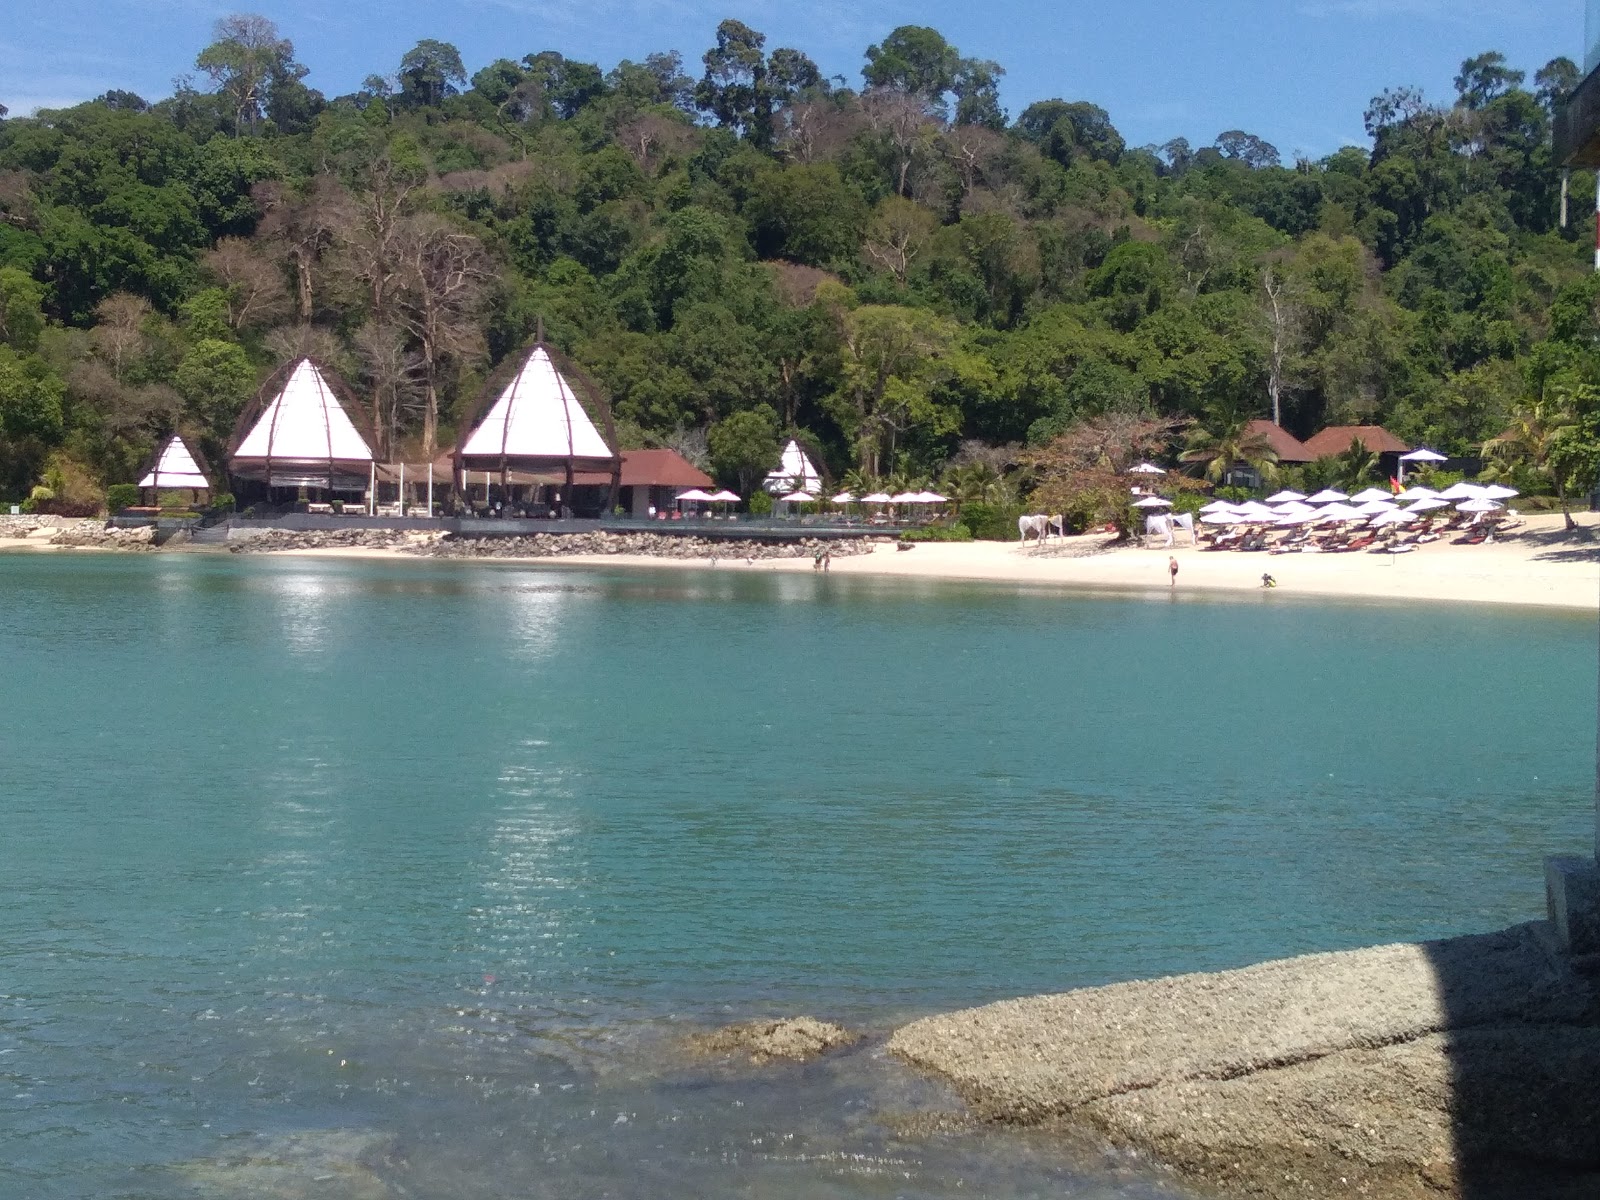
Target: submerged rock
pixel 797 1039
pixel 336 1164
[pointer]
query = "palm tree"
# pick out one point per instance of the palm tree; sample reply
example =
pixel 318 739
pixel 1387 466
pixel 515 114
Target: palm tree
pixel 1358 466
pixel 1535 441
pixel 1229 444
pixel 977 483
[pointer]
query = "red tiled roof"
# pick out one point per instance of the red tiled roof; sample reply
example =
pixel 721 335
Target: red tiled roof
pixel 1287 446
pixel 652 468
pixel 1336 439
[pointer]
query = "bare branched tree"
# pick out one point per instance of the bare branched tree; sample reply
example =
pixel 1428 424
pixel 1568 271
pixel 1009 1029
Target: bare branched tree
pixel 1282 312
pixel 119 337
pixel 443 276
pixel 303 228
pixel 290 342
pixel 256 293
pixel 898 232
pixel 652 139
pixel 371 241
pixel 907 125
pixel 393 371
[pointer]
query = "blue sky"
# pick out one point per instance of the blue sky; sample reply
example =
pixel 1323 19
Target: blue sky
pixel 1296 72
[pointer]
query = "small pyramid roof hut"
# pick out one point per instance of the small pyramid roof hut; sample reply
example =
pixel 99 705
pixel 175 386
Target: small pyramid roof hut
pixel 175 466
pixel 794 473
pixel 300 433
pixel 537 421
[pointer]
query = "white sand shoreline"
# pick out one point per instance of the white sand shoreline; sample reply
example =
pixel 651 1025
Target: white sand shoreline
pixel 1538 569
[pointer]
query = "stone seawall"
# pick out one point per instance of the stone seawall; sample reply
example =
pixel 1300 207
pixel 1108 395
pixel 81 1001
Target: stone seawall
pixel 542 545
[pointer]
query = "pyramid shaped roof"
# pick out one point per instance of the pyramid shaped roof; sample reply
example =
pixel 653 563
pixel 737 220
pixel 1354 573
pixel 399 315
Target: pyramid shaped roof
pixel 796 472
pixel 537 416
pixel 175 468
pixel 305 423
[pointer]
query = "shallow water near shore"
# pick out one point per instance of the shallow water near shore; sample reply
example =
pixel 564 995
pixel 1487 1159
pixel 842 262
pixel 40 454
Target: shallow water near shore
pixel 365 878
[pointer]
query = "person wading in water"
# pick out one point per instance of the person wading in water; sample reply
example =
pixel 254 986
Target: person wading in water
pixel 1172 570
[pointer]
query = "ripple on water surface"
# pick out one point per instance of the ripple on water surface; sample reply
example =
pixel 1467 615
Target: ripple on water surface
pixel 405 879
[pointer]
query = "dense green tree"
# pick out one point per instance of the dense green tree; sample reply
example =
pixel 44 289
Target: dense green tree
pixel 252 67
pixel 430 72
pixel 744 446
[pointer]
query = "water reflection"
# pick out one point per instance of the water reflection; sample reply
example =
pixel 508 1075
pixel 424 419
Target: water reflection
pixel 532 875
pixel 303 603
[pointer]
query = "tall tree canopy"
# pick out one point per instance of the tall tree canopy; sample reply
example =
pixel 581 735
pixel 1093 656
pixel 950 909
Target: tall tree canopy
pixel 747 252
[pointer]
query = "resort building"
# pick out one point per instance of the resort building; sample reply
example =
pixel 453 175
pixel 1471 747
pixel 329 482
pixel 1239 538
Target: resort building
pixel 300 437
pixel 535 426
pixel 174 469
pixel 1375 439
pixel 795 472
pixel 1288 448
pixel 651 481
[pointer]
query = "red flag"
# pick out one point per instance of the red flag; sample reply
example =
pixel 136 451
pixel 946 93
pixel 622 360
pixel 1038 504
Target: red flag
pixel 1394 485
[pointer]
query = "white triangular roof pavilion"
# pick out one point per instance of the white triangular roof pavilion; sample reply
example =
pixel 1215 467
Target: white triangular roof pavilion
pixel 537 417
pixel 306 430
pixel 796 472
pixel 175 468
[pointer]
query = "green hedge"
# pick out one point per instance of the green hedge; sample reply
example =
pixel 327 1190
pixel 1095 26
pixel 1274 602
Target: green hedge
pixel 990 522
pixel 940 533
pixel 121 495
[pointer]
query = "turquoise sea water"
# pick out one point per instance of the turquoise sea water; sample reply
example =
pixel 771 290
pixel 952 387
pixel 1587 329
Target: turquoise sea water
pixel 371 878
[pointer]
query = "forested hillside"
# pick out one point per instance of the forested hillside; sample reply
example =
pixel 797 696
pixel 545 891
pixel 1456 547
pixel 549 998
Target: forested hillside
pixel 737 248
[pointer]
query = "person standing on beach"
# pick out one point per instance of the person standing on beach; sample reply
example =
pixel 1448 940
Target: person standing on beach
pixel 1172 570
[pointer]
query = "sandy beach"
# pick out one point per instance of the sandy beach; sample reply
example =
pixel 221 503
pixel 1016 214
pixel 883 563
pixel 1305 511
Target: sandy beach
pixel 1540 566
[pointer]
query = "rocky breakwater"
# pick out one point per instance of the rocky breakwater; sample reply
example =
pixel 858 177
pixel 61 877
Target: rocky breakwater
pixel 85 533
pixel 1462 1068
pixel 92 535
pixel 652 545
pixel 282 540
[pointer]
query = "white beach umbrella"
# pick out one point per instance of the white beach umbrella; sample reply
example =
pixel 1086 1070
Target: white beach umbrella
pixel 694 494
pixel 1499 491
pixel 1393 516
pixel 1285 497
pixel 1303 516
pixel 1420 455
pixel 1217 506
pixel 1145 468
pixel 797 498
pixel 1328 496
pixel 1375 507
pixel 904 498
pixel 1369 495
pixel 1418 493
pixel 1221 518
pixel 1152 502
pixel 1338 512
pixel 726 495
pixel 877 498
pixel 931 498
pixel 844 498
pixel 1254 508
pixel 1428 504
pixel 1479 505
pixel 1462 491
